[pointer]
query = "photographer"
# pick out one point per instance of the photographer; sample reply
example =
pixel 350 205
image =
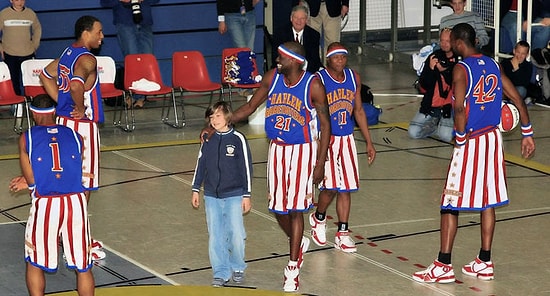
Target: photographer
pixel 434 116
pixel 134 25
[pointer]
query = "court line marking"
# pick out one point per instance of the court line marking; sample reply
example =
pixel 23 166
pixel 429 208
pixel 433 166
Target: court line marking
pixel 272 219
pixel 153 272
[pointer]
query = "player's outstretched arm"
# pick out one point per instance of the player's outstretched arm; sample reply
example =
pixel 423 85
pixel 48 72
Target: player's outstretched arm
pixel 260 96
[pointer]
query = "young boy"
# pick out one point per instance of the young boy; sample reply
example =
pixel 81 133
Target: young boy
pixel 224 166
pixel 51 162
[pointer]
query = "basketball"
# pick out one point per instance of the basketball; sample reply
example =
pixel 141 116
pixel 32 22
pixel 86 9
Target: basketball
pixel 509 118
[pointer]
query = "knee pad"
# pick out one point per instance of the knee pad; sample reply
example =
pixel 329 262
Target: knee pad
pixel 449 211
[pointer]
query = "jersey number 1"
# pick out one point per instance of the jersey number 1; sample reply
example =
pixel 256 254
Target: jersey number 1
pixel 56 160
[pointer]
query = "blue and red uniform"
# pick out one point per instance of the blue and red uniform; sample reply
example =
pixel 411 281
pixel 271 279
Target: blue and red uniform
pixel 291 124
pixel 476 176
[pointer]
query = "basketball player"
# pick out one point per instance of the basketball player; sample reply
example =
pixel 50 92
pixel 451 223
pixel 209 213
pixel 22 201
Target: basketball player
pixel 51 162
pixel 72 81
pixel 343 88
pixel 296 106
pixel 475 180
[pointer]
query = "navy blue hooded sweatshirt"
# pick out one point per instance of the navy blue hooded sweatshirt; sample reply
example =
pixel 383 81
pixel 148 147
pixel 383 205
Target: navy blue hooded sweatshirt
pixel 224 166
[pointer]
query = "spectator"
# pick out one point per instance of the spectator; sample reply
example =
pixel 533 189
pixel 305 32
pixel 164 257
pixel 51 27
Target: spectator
pixel 518 69
pixel 326 18
pixel 460 15
pixel 238 17
pixel 434 116
pixel 21 32
pixel 540 28
pixel 298 30
pixel 133 20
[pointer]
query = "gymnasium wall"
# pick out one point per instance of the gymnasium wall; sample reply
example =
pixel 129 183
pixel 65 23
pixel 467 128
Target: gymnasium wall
pixel 178 25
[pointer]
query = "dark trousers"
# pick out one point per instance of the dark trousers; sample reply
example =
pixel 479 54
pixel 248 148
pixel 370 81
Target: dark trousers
pixel 14 64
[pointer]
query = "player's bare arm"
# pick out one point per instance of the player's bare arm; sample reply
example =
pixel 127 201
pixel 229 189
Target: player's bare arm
pixel 527 143
pixel 511 93
pixel 459 93
pixel 319 100
pixel 50 84
pixel 260 96
pixel 86 68
pixel 24 160
pixel 361 119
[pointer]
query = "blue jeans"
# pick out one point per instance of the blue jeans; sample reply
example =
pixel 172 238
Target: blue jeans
pixel 226 235
pixel 135 39
pixel 508 36
pixel 242 28
pixel 423 126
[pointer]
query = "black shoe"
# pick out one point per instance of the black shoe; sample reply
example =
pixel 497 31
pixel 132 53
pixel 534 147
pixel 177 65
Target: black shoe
pixel 544 102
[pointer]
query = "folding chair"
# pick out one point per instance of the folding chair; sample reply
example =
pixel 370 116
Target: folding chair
pixel 145 66
pixel 30 70
pixel 229 54
pixel 189 74
pixel 106 70
pixel 8 97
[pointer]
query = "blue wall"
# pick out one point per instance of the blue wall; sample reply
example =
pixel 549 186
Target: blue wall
pixel 178 25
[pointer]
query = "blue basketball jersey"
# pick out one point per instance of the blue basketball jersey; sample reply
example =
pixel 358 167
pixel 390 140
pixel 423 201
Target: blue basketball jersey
pixel 92 97
pixel 56 159
pixel 341 100
pixel 483 92
pixel 290 117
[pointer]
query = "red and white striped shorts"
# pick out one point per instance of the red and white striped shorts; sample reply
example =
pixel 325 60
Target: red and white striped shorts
pixel 54 216
pixel 476 178
pixel 290 176
pixel 89 132
pixel 341 168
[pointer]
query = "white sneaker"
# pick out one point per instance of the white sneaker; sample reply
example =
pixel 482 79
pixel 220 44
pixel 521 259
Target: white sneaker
pixel 437 272
pixel 480 269
pixel 343 242
pixel 96 251
pixel 292 279
pixel 318 230
pixel 304 246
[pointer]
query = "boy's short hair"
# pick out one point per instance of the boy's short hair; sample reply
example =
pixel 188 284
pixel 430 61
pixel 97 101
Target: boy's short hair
pixel 43 101
pixel 220 105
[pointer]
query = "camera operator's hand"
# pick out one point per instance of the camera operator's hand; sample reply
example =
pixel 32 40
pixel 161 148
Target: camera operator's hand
pixel 433 61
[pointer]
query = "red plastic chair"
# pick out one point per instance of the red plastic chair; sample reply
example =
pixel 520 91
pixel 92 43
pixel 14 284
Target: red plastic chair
pixel 145 66
pixel 189 74
pixel 227 52
pixel 106 70
pixel 8 97
pixel 30 71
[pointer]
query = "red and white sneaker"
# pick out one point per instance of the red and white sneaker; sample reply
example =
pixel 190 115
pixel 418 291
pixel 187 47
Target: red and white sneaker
pixel 437 272
pixel 292 279
pixel 480 269
pixel 304 246
pixel 318 230
pixel 96 251
pixel 343 242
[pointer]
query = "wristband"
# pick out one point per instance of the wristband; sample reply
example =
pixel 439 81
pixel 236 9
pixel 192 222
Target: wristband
pixel 460 138
pixel 527 130
pixel 31 187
